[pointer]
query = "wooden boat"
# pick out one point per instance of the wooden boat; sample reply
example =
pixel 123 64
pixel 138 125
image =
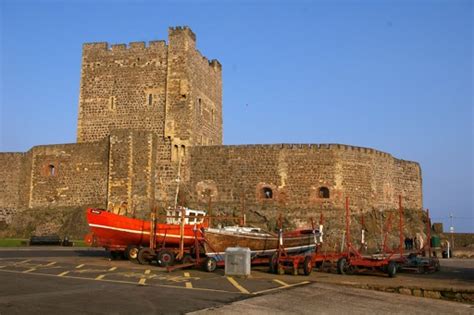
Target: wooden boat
pixel 261 243
pixel 116 232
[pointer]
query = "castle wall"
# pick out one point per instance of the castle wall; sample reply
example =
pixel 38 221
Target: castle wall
pixel 68 175
pixel 206 97
pixel 132 170
pixel 194 92
pixel 296 173
pixel 122 87
pixel 11 168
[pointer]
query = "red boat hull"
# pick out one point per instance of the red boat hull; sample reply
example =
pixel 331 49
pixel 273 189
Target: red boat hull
pixel 114 231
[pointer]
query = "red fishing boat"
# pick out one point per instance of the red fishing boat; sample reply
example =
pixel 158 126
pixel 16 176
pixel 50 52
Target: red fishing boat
pixel 118 233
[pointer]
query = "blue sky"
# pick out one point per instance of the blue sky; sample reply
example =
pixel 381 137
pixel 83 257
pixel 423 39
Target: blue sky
pixel 392 75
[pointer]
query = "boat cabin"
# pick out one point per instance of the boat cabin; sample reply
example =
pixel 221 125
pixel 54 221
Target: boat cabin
pixel 173 216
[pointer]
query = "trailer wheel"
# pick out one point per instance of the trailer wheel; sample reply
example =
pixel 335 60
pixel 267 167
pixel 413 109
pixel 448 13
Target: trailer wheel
pixel 392 269
pixel 210 264
pixel 307 266
pixel 145 256
pixel 165 258
pixel 132 253
pixel 344 267
pixel 187 259
pixel 273 263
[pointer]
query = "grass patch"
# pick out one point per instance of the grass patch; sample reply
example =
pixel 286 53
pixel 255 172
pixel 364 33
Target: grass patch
pixel 13 242
pixel 19 242
pixel 79 243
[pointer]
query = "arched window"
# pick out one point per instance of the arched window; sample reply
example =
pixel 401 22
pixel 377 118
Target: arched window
pixel 267 193
pixel 323 192
pixel 51 170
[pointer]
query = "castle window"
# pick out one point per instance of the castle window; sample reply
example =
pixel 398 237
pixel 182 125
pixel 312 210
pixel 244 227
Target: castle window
pixel 183 150
pixel 51 170
pixel 212 115
pixel 150 99
pixel 112 102
pixel 175 154
pixel 267 193
pixel 323 192
pixel 199 108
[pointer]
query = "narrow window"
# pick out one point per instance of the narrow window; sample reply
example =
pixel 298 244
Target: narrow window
pixel 267 193
pixel 199 106
pixel 323 192
pixel 212 115
pixel 183 150
pixel 150 99
pixel 51 170
pixel 112 102
pixel 176 153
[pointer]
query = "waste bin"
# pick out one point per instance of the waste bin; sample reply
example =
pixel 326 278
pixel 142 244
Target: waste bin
pixel 435 241
pixel 237 261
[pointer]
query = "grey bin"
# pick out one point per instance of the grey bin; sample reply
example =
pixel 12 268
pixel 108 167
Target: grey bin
pixel 237 261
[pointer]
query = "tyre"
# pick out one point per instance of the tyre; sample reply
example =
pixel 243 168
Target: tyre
pixel 210 264
pixel 145 255
pixel 307 265
pixel 273 263
pixel 131 253
pixel 344 267
pixel 165 258
pixel 392 269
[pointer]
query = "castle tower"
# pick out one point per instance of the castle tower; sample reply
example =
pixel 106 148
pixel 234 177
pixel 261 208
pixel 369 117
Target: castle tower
pixel 167 89
pixel 152 102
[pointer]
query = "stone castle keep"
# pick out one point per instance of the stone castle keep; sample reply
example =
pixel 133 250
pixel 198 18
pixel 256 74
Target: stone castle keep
pixel 151 112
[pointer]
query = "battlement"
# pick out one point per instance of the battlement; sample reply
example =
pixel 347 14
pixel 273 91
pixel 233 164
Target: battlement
pixel 299 146
pixel 132 46
pixel 182 29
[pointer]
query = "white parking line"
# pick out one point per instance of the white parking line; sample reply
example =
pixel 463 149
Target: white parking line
pixel 281 282
pixel 112 269
pixel 79 266
pixel 63 273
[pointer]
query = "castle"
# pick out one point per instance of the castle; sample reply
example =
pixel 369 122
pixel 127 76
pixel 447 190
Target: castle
pixel 150 119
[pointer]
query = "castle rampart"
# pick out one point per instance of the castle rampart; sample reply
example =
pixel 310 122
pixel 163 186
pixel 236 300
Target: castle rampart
pixel 296 173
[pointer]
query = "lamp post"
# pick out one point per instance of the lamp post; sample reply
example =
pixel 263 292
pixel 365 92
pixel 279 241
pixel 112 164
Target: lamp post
pixel 451 230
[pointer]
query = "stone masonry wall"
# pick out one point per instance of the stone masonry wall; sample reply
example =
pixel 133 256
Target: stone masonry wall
pixel 68 175
pixel 122 88
pixel 132 170
pixel 11 166
pixel 296 173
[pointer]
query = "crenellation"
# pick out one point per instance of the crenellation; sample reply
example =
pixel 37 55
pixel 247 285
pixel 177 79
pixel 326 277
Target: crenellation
pixel 118 47
pixel 97 46
pixel 137 46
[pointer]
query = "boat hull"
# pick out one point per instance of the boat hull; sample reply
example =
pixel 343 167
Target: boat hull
pixel 260 245
pixel 115 231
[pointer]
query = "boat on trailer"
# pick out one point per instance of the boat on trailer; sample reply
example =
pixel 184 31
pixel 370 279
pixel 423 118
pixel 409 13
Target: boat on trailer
pixel 261 243
pixel 117 232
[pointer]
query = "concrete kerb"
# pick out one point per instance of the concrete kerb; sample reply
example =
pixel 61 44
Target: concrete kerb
pixel 451 294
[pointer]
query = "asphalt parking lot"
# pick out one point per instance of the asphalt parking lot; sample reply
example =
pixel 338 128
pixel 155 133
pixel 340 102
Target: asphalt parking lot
pixel 84 281
pixel 71 275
